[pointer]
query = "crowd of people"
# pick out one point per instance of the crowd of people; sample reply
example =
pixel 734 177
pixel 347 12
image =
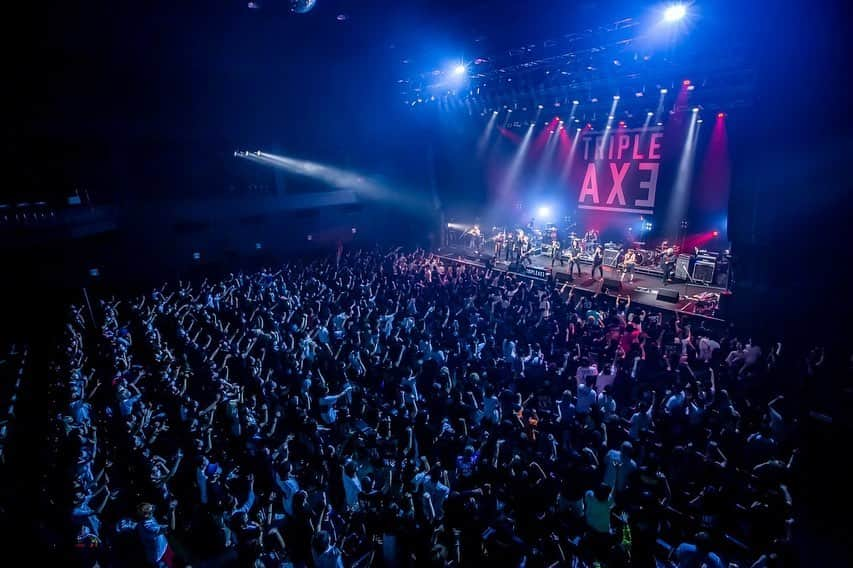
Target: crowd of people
pixel 385 408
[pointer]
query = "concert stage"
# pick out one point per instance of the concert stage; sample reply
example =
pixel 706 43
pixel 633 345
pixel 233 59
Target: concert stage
pixel 694 299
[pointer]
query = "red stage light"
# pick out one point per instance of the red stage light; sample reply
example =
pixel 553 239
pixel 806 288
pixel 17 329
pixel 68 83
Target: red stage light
pixel 716 233
pixel 721 115
pixel 686 82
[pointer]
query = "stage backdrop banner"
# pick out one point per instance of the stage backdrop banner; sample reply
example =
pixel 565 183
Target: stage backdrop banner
pixel 618 170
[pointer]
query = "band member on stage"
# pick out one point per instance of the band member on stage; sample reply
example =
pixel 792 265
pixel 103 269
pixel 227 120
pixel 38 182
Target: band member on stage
pixel 598 261
pixel 475 237
pixel 524 251
pixel 555 253
pixel 630 264
pixel 668 265
pixel 574 255
pixel 509 245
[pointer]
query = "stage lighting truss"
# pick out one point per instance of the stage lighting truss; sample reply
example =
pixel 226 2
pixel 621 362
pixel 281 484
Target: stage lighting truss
pixel 580 67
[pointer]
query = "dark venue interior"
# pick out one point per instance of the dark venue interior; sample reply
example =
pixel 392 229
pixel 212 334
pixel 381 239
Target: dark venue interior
pixel 426 283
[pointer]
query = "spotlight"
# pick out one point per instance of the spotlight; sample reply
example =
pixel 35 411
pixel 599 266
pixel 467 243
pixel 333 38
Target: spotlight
pixel 196 256
pixel 674 13
pixel 716 233
pixel 259 246
pixel 664 91
pixel 660 123
pixel 700 121
pixel 610 117
pixel 639 93
pixel 494 112
pixel 695 109
pixel 459 69
pixel 615 97
pixel 686 82
pixel 650 113
pixel 576 102
pixel 721 115
pixel 691 87
pixel 544 211
pixel 354 230
pixel 541 107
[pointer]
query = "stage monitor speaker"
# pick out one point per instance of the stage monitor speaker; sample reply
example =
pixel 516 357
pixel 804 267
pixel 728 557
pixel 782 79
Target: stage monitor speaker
pixel 562 276
pixel 611 284
pixel 682 266
pixel 665 295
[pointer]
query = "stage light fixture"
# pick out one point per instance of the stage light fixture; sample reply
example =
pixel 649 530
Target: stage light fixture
pixel 459 69
pixel 674 13
pixel 686 82
pixel 650 113
pixel 615 97
pixel 700 121
pixel 660 123
pixel 721 115
pixel 695 109
pixel 639 93
pixel 543 212
pixel 716 233
pixel 541 107
pixel 664 91
pixel 576 102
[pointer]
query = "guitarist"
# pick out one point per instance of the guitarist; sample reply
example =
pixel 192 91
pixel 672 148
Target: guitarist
pixel 574 254
pixel 555 253
pixel 668 266
pixel 598 261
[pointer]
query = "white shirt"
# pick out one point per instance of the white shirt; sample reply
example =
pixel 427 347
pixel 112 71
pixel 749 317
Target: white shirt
pixel 584 372
pixel 706 348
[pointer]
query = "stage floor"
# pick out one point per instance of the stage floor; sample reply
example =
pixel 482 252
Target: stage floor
pixel 643 290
